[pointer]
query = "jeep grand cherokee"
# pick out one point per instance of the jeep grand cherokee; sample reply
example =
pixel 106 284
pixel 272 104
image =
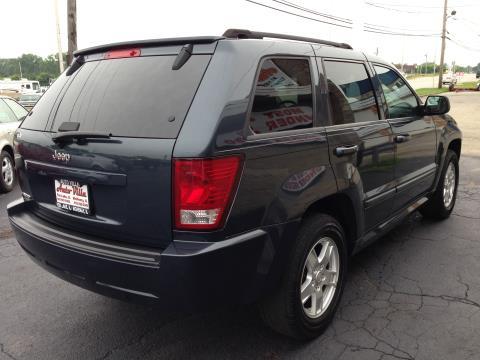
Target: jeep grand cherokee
pixel 203 171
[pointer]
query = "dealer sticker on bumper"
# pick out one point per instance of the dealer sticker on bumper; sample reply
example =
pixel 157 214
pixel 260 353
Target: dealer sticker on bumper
pixel 72 196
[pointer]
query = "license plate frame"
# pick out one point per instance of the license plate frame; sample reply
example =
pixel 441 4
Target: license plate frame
pixel 72 196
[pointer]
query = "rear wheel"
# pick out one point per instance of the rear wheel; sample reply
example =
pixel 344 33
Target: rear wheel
pixel 7 180
pixel 442 201
pixel 306 301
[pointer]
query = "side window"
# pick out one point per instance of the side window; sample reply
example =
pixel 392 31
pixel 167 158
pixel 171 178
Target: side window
pixel 17 109
pixel 283 96
pixel 6 114
pixel 351 95
pixel 401 102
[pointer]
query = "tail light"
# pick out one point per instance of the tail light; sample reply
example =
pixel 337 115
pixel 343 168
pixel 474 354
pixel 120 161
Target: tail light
pixel 203 190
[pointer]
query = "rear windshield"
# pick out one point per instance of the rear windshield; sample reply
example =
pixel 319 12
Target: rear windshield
pixel 133 97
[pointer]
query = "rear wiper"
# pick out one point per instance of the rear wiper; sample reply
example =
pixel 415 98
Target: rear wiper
pixel 70 135
pixel 183 56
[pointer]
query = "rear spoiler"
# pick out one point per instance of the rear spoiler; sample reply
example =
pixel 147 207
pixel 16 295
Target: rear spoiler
pixel 144 43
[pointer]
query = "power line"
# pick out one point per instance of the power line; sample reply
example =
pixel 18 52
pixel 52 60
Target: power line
pixel 398 10
pixel 395 28
pixel 368 29
pixel 424 6
pixel 332 17
pixel 370 26
pixel 461 44
pixel 302 16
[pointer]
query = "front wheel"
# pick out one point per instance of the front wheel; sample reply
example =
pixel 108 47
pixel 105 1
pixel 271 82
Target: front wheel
pixel 442 201
pixel 306 301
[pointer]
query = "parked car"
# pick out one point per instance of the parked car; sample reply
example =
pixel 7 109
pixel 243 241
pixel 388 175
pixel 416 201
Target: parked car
pixel 11 114
pixel 238 170
pixel 28 101
pixel 449 79
pixel 478 74
pixel 11 93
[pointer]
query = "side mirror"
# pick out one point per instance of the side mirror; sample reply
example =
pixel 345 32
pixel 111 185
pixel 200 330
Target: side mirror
pixel 436 105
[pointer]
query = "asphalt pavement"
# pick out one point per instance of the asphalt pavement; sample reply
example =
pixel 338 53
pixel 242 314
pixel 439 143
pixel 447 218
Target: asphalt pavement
pixel 415 294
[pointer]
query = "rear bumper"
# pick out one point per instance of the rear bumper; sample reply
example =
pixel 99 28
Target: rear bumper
pixel 186 275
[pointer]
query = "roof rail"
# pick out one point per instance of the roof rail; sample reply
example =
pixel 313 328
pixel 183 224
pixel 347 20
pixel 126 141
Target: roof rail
pixel 247 34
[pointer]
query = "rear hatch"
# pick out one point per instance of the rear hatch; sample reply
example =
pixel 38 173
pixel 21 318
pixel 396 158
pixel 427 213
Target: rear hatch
pixel 112 179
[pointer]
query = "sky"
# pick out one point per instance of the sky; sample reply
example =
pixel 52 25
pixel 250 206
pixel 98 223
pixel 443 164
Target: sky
pixel 106 21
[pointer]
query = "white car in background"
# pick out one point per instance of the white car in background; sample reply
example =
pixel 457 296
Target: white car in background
pixel 449 78
pixel 11 115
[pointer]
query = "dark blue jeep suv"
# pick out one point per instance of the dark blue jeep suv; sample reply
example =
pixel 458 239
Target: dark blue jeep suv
pixel 202 171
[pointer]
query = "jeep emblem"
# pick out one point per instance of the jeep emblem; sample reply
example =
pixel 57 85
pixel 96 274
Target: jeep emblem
pixel 61 156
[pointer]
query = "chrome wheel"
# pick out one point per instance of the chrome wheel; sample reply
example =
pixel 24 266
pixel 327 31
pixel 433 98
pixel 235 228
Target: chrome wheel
pixel 319 277
pixel 449 184
pixel 7 171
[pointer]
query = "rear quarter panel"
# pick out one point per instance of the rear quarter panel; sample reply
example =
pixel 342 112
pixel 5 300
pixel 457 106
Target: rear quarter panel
pixel 283 173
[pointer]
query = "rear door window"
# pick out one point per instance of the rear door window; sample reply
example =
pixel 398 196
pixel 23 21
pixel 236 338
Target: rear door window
pixel 283 96
pixel 351 95
pixel 6 114
pixel 132 97
pixel 17 109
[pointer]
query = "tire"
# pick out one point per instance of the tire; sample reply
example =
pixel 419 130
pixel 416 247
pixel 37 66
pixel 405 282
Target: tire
pixel 437 207
pixel 8 176
pixel 284 310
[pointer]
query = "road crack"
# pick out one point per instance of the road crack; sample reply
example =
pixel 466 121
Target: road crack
pixel 3 351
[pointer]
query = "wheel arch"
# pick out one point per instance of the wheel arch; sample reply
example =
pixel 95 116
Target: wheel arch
pixel 8 148
pixel 456 146
pixel 341 207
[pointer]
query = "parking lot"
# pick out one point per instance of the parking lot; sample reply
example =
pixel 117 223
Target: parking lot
pixel 413 295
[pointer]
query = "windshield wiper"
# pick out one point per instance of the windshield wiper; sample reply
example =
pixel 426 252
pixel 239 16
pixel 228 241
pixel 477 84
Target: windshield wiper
pixel 79 135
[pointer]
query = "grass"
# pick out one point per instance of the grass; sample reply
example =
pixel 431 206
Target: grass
pixel 430 91
pixel 415 76
pixel 467 85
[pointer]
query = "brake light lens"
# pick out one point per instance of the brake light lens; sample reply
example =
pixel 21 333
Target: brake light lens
pixel 203 190
pixel 123 53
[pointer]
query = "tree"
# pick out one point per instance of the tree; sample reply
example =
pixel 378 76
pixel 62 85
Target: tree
pixel 31 66
pixel 44 78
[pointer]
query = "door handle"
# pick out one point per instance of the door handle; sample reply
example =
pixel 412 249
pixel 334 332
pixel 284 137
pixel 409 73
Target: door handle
pixel 402 138
pixel 346 150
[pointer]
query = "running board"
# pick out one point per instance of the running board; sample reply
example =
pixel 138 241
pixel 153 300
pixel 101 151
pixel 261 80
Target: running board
pixel 388 225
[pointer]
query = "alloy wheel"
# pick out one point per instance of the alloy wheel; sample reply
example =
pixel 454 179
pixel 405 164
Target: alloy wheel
pixel 320 277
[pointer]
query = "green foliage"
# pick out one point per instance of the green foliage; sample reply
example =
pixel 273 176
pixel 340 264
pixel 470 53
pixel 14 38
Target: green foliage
pixel 430 91
pixel 33 67
pixel 44 78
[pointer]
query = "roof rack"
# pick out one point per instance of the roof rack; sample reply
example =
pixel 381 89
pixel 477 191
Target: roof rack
pixel 247 34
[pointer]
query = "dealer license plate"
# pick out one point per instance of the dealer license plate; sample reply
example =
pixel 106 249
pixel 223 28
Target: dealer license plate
pixel 72 196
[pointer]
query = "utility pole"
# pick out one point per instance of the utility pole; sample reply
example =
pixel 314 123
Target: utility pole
pixel 20 66
pixel 72 29
pixel 59 39
pixel 442 53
